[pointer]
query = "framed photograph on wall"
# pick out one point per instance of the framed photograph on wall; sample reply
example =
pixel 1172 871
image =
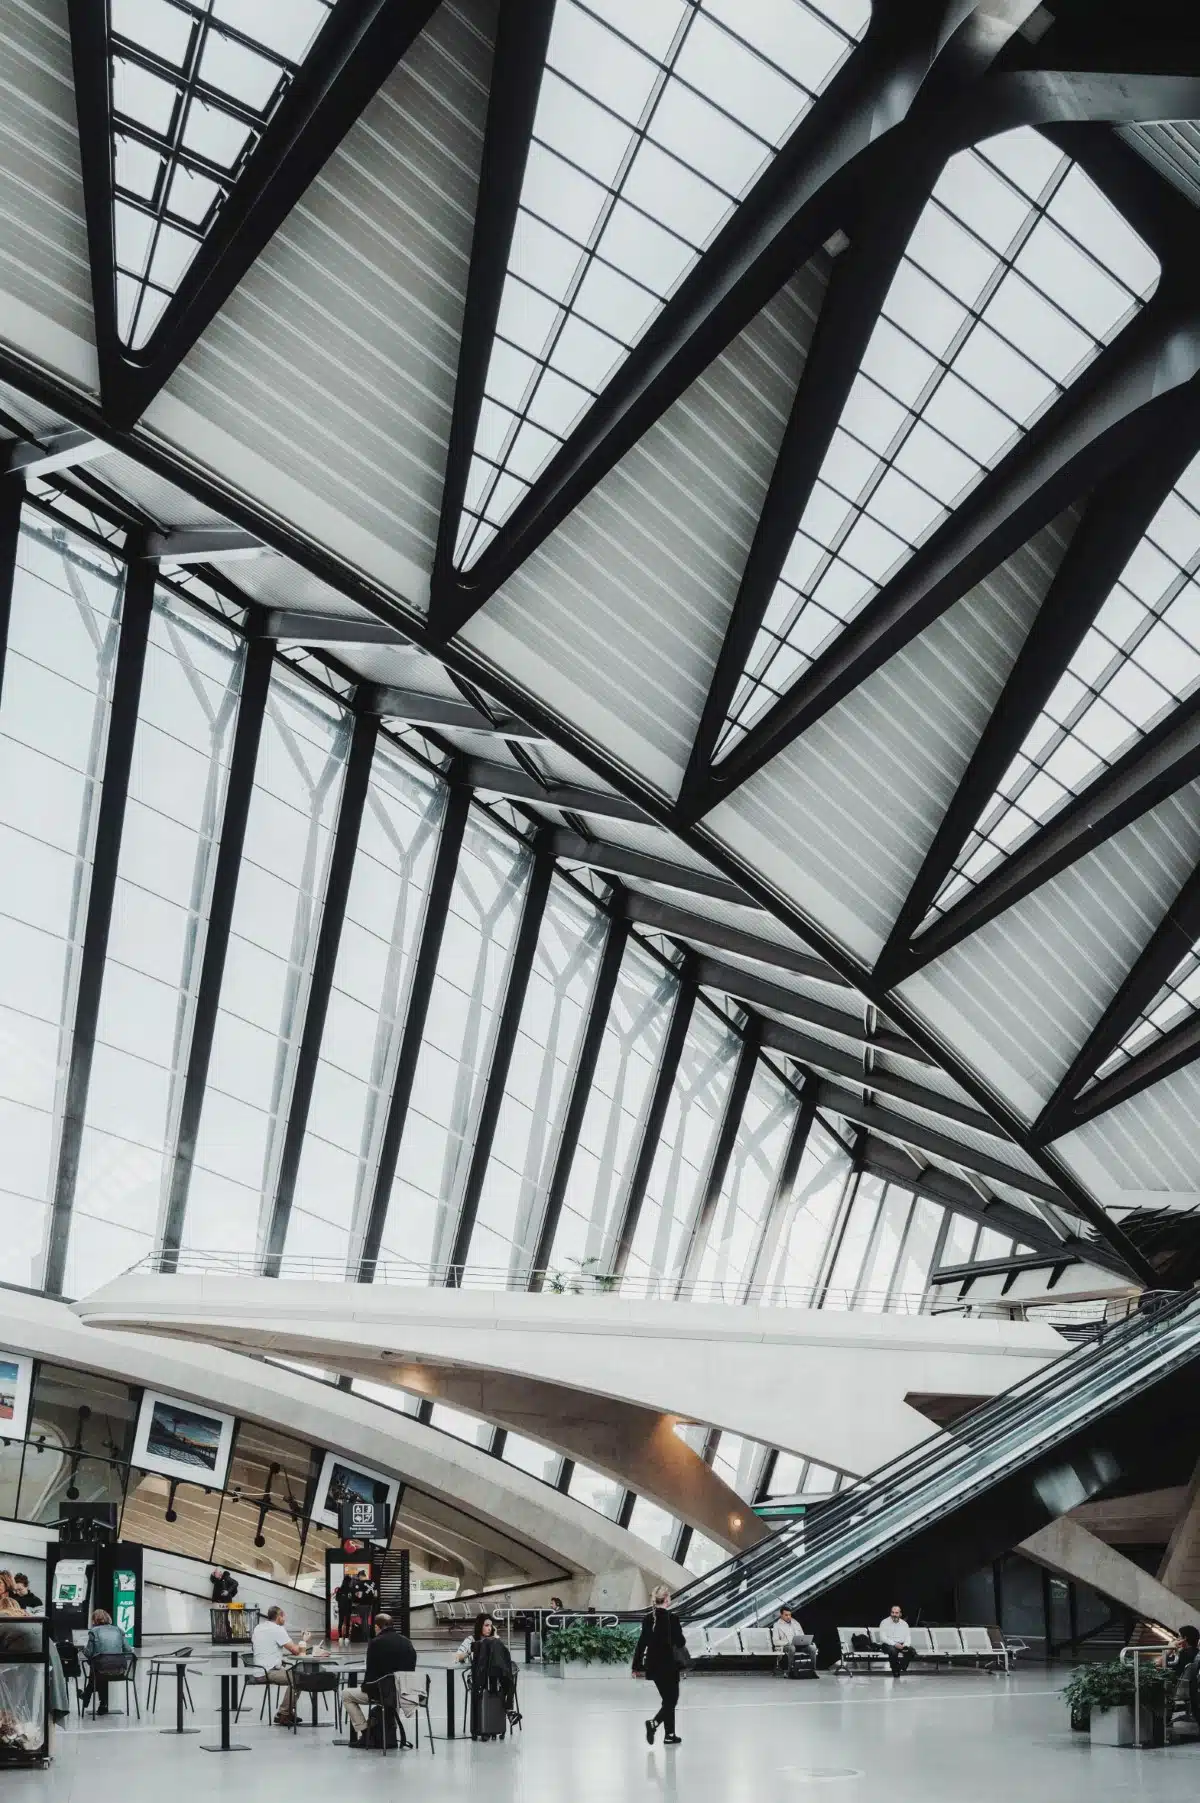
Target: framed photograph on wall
pixel 183 1440
pixel 16 1385
pixel 342 1482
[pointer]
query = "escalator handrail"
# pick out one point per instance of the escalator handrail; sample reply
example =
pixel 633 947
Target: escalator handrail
pixel 927 1459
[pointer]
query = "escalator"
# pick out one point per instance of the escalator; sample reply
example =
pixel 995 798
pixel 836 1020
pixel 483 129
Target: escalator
pixel 1111 1417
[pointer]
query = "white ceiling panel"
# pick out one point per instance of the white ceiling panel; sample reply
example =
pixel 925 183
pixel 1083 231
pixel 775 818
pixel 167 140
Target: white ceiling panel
pixel 616 621
pixel 841 820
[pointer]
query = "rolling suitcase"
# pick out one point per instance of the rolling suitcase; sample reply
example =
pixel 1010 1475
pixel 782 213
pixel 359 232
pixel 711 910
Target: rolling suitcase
pixel 492 1718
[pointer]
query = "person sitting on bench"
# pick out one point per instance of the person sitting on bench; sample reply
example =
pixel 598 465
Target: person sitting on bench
pixel 895 1637
pixel 390 1651
pixel 788 1638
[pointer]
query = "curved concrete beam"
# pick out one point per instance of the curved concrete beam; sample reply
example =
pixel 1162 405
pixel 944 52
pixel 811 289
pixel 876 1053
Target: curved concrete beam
pixel 498 1495
pixel 829 1386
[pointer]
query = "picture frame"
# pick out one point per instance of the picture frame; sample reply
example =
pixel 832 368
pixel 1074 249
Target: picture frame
pixel 341 1480
pixel 184 1440
pixel 16 1391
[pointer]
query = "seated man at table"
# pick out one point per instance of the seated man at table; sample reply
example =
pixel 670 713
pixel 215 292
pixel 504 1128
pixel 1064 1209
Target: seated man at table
pixel 270 1641
pixel 389 1652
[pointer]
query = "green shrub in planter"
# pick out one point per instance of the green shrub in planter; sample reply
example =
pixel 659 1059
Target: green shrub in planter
pixel 586 1643
pixel 1110 1686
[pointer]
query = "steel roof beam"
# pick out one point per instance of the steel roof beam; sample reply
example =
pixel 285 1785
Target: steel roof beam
pixel 449 712
pixel 714 973
pixel 357 51
pixel 1164 1056
pixel 517 785
pixel 202 544
pixel 61 449
pixel 883 1159
pixel 682 923
pixel 296 626
pixel 844 142
pixel 1168 945
pixel 1112 527
pixel 849 313
pixel 928 1139
pixel 1162 762
pixel 835 1062
pixel 522 39
pixel 616 860
pixel 1113 415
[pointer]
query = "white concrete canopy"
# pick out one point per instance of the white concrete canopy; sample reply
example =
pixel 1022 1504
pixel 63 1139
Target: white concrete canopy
pixel 611 1563
pixel 825 1384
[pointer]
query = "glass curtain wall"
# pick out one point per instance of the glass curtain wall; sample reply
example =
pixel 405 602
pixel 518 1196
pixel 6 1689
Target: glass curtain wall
pixel 54 712
pixel 795 1248
pixel 538 1085
pixel 364 1025
pixel 630 1052
pixel 749 1184
pixel 681 1164
pixel 276 919
pixel 169 844
pixel 456 1053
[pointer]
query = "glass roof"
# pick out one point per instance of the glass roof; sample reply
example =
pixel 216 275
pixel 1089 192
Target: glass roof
pixel 652 122
pixel 194 84
pixel 1138 660
pixel 1018 272
pixel 1176 1001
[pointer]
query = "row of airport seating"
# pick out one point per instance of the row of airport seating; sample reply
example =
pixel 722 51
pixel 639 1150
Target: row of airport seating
pixel 931 1646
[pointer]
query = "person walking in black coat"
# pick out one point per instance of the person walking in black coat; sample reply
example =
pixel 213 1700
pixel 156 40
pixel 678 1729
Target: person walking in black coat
pixel 660 1656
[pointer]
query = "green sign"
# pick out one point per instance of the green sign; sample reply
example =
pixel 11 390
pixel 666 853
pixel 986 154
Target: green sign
pixel 125 1603
pixel 779 1511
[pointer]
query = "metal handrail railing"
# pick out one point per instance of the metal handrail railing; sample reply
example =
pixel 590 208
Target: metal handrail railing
pixel 925 1475
pixel 636 1287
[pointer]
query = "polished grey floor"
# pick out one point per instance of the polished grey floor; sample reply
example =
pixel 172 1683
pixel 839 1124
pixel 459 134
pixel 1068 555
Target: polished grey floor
pixel 929 1739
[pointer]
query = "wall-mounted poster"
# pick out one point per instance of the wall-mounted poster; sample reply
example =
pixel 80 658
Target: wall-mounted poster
pixel 182 1440
pixel 16 1382
pixel 341 1482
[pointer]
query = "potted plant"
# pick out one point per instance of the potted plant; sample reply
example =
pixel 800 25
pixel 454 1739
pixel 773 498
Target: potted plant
pixel 1100 1698
pixel 583 1649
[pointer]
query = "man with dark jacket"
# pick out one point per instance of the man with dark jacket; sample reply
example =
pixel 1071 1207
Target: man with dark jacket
pixel 660 1654
pixel 390 1652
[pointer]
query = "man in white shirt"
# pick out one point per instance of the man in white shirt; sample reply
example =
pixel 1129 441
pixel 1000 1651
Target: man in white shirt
pixel 788 1637
pixel 895 1636
pixel 270 1641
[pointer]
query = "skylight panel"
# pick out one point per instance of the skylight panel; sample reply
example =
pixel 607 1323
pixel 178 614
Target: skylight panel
pixel 1175 1002
pixel 653 121
pixel 1139 659
pixel 194 85
pixel 1017 273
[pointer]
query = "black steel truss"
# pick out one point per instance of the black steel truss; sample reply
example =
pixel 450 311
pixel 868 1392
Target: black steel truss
pixel 520 970
pixel 1113 523
pixel 12 495
pixel 437 907
pixel 652 1121
pixel 357 51
pixel 888 105
pixel 137 606
pixel 239 787
pixel 581 1088
pixel 1165 760
pixel 1168 945
pixel 682 923
pixel 722 1153
pixel 816 1055
pixel 712 973
pixel 355 785
pixel 1112 416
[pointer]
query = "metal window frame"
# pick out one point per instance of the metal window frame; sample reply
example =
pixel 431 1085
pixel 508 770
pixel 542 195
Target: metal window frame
pixel 257 670
pixel 356 782
pixel 520 969
pixel 137 608
pixel 686 997
pixel 705 1211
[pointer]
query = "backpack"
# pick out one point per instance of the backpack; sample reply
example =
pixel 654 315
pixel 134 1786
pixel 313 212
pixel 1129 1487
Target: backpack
pixel 860 1643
